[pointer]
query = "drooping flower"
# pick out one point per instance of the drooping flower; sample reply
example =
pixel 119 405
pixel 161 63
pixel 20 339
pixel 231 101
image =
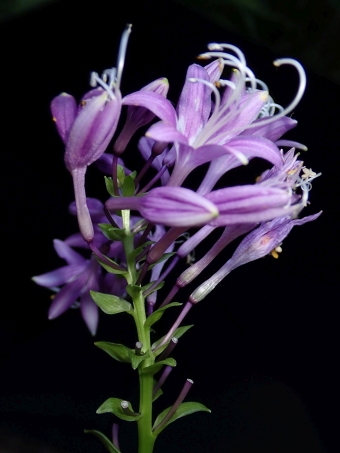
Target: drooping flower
pixel 77 278
pixel 260 242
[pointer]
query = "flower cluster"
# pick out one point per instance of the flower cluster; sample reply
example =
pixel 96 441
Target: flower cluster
pixel 221 122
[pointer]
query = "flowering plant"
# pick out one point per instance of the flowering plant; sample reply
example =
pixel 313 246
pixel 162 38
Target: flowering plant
pixel 220 122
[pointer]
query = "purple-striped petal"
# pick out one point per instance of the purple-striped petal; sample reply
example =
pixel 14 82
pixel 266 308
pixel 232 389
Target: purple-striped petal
pixel 65 298
pixel 233 121
pixel 65 252
pixel 92 130
pixel 64 111
pixel 272 131
pixel 165 132
pixel 59 276
pixel 194 104
pixel 252 146
pixel 156 103
pixel 89 311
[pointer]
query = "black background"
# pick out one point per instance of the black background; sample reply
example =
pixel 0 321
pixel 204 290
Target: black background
pixel 264 349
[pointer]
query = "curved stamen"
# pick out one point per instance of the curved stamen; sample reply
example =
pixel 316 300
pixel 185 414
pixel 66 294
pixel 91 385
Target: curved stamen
pixel 297 98
pixel 212 87
pixel 96 80
pixel 223 83
pixel 110 74
pixel 291 144
pixel 259 82
pixel 121 54
pixel 236 50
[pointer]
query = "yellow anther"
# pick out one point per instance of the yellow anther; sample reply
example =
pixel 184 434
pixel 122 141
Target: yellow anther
pixel 275 253
pixel 308 173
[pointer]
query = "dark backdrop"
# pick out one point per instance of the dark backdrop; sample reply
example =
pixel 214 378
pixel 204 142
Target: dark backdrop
pixel 263 351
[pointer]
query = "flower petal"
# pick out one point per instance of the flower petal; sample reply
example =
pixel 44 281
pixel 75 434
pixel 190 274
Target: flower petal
pixel 65 298
pixel 194 104
pixel 165 132
pixel 64 111
pixel 89 312
pixel 65 252
pixel 160 106
pixel 252 146
pixel 59 276
pixel 272 131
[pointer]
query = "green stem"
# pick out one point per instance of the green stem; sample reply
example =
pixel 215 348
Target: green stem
pixel 146 438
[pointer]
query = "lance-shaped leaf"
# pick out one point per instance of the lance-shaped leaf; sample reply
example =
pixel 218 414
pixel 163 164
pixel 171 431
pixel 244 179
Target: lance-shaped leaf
pixel 116 351
pixel 156 315
pixel 103 439
pixel 133 290
pixel 113 405
pixel 153 369
pixel 183 410
pixel 178 333
pixel 115 269
pixel 137 359
pixel 132 255
pixel 110 304
pixel 112 233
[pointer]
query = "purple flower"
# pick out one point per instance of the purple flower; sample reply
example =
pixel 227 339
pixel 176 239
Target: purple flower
pixel 73 282
pixel 237 127
pixel 264 240
pixel 169 206
pixel 77 279
pixel 139 116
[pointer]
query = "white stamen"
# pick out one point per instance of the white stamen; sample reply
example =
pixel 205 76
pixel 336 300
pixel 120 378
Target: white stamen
pixel 212 87
pixel 110 74
pixel 291 144
pixel 122 53
pixel 228 83
pixel 298 96
pixel 96 80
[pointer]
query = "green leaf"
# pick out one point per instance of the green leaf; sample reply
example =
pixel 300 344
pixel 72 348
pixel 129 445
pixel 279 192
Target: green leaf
pixel 109 186
pixel 156 315
pixel 103 439
pixel 110 304
pixel 157 288
pixel 128 188
pixel 157 395
pixel 164 257
pixel 116 351
pixel 120 175
pixel 137 359
pixel 113 406
pixel 112 233
pixel 133 290
pixel 109 269
pixel 153 369
pixel 178 333
pixel 183 410
pixel 138 250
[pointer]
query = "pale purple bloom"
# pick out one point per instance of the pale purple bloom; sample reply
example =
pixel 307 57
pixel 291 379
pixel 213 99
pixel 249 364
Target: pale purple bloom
pixel 169 206
pixel 202 133
pixel 77 279
pixel 260 242
pixel 139 116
